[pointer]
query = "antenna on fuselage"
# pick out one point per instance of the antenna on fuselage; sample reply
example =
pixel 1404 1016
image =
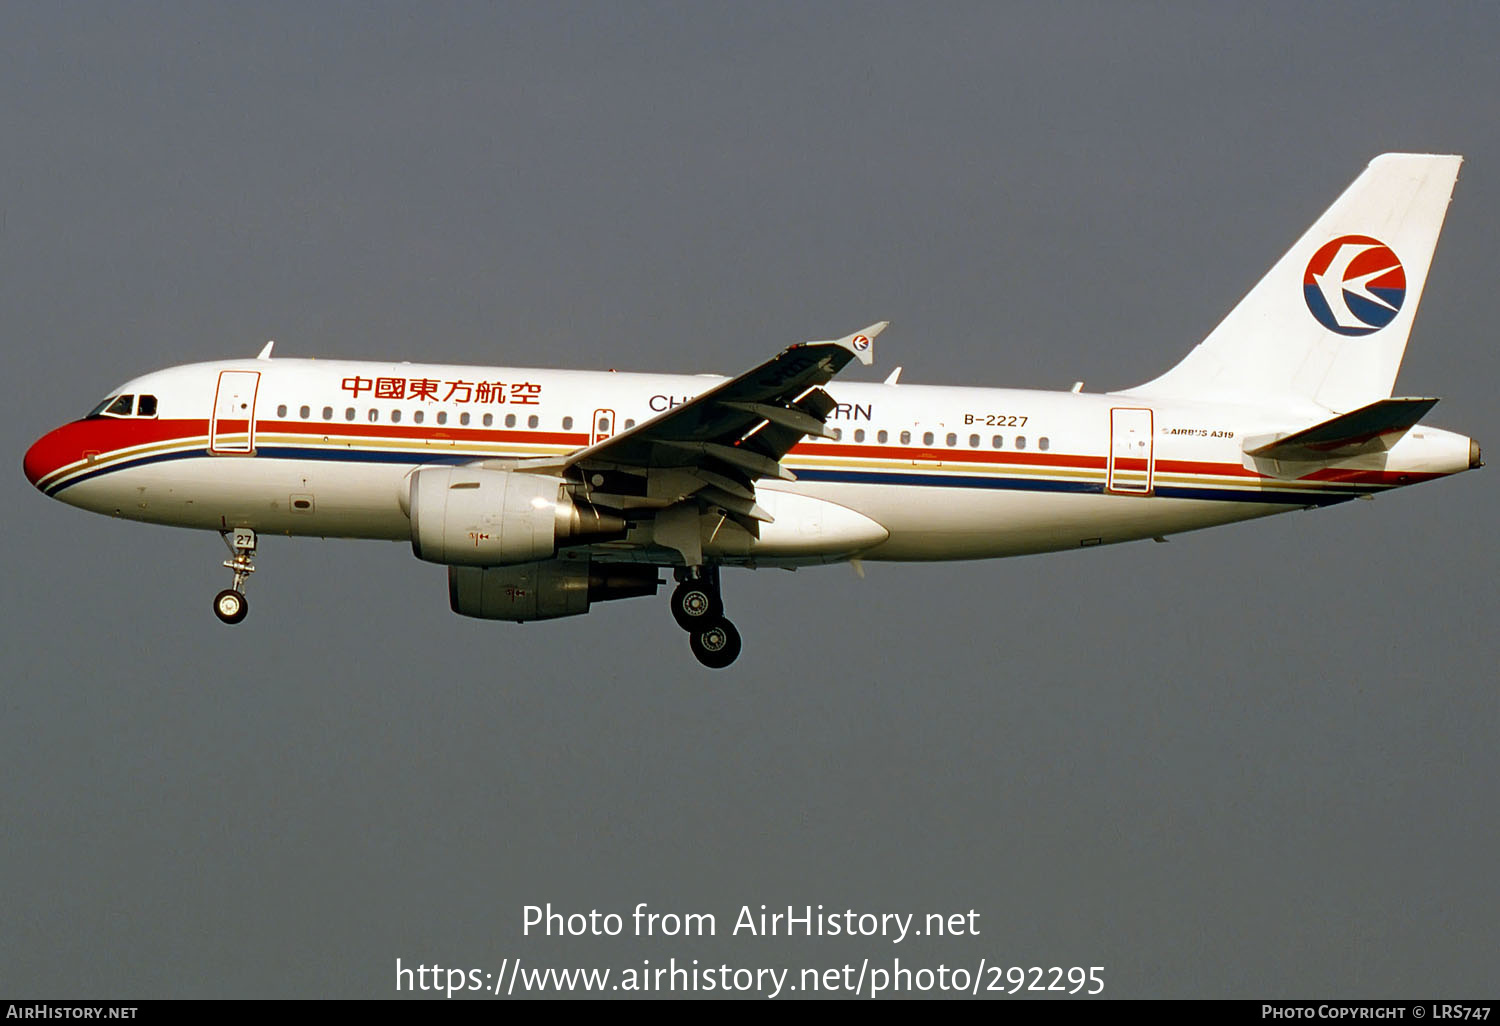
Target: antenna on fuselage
pixel 265 352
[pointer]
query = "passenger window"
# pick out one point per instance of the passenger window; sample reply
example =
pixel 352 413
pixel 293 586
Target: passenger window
pixel 418 417
pixel 442 416
pixel 145 406
pixel 395 416
pixel 927 438
pixel 533 420
pixel 952 439
pixel 510 420
pixel 281 411
pixel 998 441
pixel 881 437
pixel 906 438
pixel 304 413
pixel 328 413
pixel 567 423
pixel 1020 441
pixel 463 418
pixel 1043 444
pixel 489 418
pixel 374 415
pixel 122 406
pixel 836 434
pixel 859 435
pixel 349 413
pixel 629 424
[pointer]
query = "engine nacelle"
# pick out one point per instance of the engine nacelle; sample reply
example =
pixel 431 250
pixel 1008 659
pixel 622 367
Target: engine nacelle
pixel 479 517
pixel 544 591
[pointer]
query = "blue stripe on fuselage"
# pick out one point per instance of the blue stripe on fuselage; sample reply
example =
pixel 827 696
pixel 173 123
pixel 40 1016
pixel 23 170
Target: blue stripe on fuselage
pixel 901 478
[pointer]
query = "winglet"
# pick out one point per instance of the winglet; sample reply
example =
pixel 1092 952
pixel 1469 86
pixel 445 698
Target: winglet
pixel 862 342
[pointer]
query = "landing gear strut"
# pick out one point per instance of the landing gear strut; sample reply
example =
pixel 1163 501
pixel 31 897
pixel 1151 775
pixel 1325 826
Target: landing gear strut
pixel 696 601
pixel 698 609
pixel 230 604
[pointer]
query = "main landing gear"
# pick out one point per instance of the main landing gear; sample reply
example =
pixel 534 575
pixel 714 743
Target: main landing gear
pixel 698 609
pixel 230 604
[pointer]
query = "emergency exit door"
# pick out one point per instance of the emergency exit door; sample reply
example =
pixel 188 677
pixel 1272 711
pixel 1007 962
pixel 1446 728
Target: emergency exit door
pixel 232 430
pixel 1131 451
pixel 602 427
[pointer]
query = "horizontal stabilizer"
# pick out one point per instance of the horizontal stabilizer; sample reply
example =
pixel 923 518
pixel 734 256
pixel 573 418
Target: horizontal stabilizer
pixel 1372 428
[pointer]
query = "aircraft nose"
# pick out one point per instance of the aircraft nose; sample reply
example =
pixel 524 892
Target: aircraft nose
pixel 48 453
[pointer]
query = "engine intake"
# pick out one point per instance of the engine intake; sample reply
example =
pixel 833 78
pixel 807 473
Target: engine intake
pixel 544 591
pixel 478 517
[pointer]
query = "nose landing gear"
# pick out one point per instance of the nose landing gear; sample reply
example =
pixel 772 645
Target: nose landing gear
pixel 230 604
pixel 698 608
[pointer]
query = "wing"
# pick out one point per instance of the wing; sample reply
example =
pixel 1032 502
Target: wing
pixel 714 447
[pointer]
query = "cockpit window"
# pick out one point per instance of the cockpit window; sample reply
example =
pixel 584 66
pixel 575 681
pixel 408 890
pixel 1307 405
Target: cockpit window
pixel 125 406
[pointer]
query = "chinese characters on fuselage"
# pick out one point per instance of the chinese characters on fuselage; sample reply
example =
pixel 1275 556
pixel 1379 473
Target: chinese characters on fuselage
pixel 518 393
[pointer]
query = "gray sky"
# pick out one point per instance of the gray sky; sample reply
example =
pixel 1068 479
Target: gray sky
pixel 1256 761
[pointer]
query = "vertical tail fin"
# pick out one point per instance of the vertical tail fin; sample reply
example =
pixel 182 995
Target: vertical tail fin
pixel 1329 322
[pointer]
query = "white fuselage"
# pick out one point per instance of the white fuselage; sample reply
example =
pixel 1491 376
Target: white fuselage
pixel 325 448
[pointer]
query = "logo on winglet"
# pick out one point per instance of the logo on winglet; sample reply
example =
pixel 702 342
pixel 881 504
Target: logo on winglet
pixel 1354 285
pixel 860 343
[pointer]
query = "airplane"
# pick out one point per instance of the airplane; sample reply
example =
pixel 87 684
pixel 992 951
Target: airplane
pixel 543 491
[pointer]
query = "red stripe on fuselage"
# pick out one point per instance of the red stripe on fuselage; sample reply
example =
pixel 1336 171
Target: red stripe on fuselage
pixel 948 455
pixel 100 436
pixel 421 432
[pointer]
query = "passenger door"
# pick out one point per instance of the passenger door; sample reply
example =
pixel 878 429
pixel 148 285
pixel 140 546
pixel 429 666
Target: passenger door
pixel 231 432
pixel 1131 460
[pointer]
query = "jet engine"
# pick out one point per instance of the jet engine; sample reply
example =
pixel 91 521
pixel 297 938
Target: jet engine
pixel 471 516
pixel 544 591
